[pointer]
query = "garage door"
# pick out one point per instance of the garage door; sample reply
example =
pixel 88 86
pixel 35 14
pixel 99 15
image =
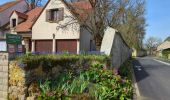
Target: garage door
pixel 43 46
pixel 66 45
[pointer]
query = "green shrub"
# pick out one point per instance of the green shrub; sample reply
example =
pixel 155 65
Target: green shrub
pixel 125 69
pixel 98 82
pixel 67 60
pixel 166 53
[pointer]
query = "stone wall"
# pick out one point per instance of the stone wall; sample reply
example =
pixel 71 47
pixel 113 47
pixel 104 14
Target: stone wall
pixel 114 45
pixel 3 76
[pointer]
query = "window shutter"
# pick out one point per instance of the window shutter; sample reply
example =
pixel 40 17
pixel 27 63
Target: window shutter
pixel 61 14
pixel 48 15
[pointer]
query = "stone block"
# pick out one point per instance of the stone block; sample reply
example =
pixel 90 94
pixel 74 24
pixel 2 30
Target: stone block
pixel 1 81
pixel 3 88
pixel 1 68
pixel 4 63
pixel 4 75
pixel 3 95
pixel 5 82
pixel 5 68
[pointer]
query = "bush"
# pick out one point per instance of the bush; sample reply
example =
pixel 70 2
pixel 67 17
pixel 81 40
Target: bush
pixel 166 53
pixel 97 83
pixel 66 60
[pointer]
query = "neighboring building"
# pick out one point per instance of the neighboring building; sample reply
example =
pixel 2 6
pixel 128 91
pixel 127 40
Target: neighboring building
pixel 164 46
pixel 48 36
pixel 5 11
pixel 21 24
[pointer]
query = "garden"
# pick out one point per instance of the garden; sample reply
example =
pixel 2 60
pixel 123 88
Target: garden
pixel 70 77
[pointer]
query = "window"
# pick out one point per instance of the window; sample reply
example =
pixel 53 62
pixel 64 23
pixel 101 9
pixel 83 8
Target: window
pixel 55 15
pixel 14 22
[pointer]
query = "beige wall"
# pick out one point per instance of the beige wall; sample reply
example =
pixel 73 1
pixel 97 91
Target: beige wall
pixel 45 30
pixel 13 16
pixel 113 45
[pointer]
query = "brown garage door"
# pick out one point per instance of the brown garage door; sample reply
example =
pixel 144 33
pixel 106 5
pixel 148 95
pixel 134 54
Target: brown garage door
pixel 43 46
pixel 66 45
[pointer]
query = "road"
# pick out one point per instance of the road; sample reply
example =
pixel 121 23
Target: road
pixel 153 79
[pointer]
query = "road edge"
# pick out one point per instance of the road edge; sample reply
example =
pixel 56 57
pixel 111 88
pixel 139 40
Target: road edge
pixel 136 92
pixel 162 62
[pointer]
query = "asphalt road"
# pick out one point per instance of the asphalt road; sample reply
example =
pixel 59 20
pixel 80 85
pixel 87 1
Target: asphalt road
pixel 153 79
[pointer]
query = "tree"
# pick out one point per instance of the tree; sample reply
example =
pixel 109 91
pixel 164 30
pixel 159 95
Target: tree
pixel 129 19
pixel 31 4
pixel 152 43
pixel 127 16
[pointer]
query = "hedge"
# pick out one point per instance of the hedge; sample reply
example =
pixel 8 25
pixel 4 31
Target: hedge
pixel 68 61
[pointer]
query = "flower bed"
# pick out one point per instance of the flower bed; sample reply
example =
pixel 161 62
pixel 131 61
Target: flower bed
pixel 68 77
pixel 96 83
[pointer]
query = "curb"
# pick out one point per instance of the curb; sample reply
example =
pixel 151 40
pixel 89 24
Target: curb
pixel 136 92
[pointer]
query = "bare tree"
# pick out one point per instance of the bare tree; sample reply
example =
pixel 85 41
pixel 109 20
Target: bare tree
pixel 152 43
pixel 31 4
pixel 129 19
pixel 125 15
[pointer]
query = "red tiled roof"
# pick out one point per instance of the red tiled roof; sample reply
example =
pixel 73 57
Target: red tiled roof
pixel 8 5
pixel 21 15
pixel 82 9
pixel 27 25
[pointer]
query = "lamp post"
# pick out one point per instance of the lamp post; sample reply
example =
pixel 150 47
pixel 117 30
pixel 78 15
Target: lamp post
pixel 54 44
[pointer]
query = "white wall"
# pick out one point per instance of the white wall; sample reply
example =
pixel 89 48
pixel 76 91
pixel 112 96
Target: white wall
pixel 45 30
pixel 3 46
pixel 113 45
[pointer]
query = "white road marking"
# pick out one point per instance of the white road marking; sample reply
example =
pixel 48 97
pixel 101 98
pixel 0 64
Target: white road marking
pixel 162 62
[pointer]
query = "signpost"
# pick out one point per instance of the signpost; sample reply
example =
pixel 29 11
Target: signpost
pixel 14 42
pixel 13 39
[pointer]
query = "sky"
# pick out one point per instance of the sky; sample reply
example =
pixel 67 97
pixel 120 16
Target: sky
pixel 157 16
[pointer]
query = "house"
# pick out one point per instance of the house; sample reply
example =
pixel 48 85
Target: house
pixel 162 47
pixel 21 24
pixel 114 46
pixel 49 35
pixel 5 11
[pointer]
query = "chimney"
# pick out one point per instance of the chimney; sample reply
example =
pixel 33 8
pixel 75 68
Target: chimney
pixel 30 6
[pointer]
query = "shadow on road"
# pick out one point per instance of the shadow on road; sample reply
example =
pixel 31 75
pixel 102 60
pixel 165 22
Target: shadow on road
pixel 140 72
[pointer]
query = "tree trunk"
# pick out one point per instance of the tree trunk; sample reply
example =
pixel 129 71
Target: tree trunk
pixel 98 42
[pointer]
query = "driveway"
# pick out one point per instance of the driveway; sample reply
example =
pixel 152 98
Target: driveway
pixel 153 79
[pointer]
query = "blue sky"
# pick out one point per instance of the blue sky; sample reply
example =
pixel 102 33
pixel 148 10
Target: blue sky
pixel 157 16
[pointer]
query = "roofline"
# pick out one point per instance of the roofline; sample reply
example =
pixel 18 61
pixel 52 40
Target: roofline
pixel 41 12
pixel 12 5
pixel 46 6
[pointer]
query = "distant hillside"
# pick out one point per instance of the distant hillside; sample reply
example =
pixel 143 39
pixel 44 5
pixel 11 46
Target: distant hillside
pixel 167 39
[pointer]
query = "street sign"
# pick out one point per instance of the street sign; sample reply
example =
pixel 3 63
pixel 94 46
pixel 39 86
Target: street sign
pixel 11 48
pixel 13 39
pixel 20 48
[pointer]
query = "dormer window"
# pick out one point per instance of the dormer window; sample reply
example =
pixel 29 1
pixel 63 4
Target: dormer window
pixel 14 22
pixel 55 15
